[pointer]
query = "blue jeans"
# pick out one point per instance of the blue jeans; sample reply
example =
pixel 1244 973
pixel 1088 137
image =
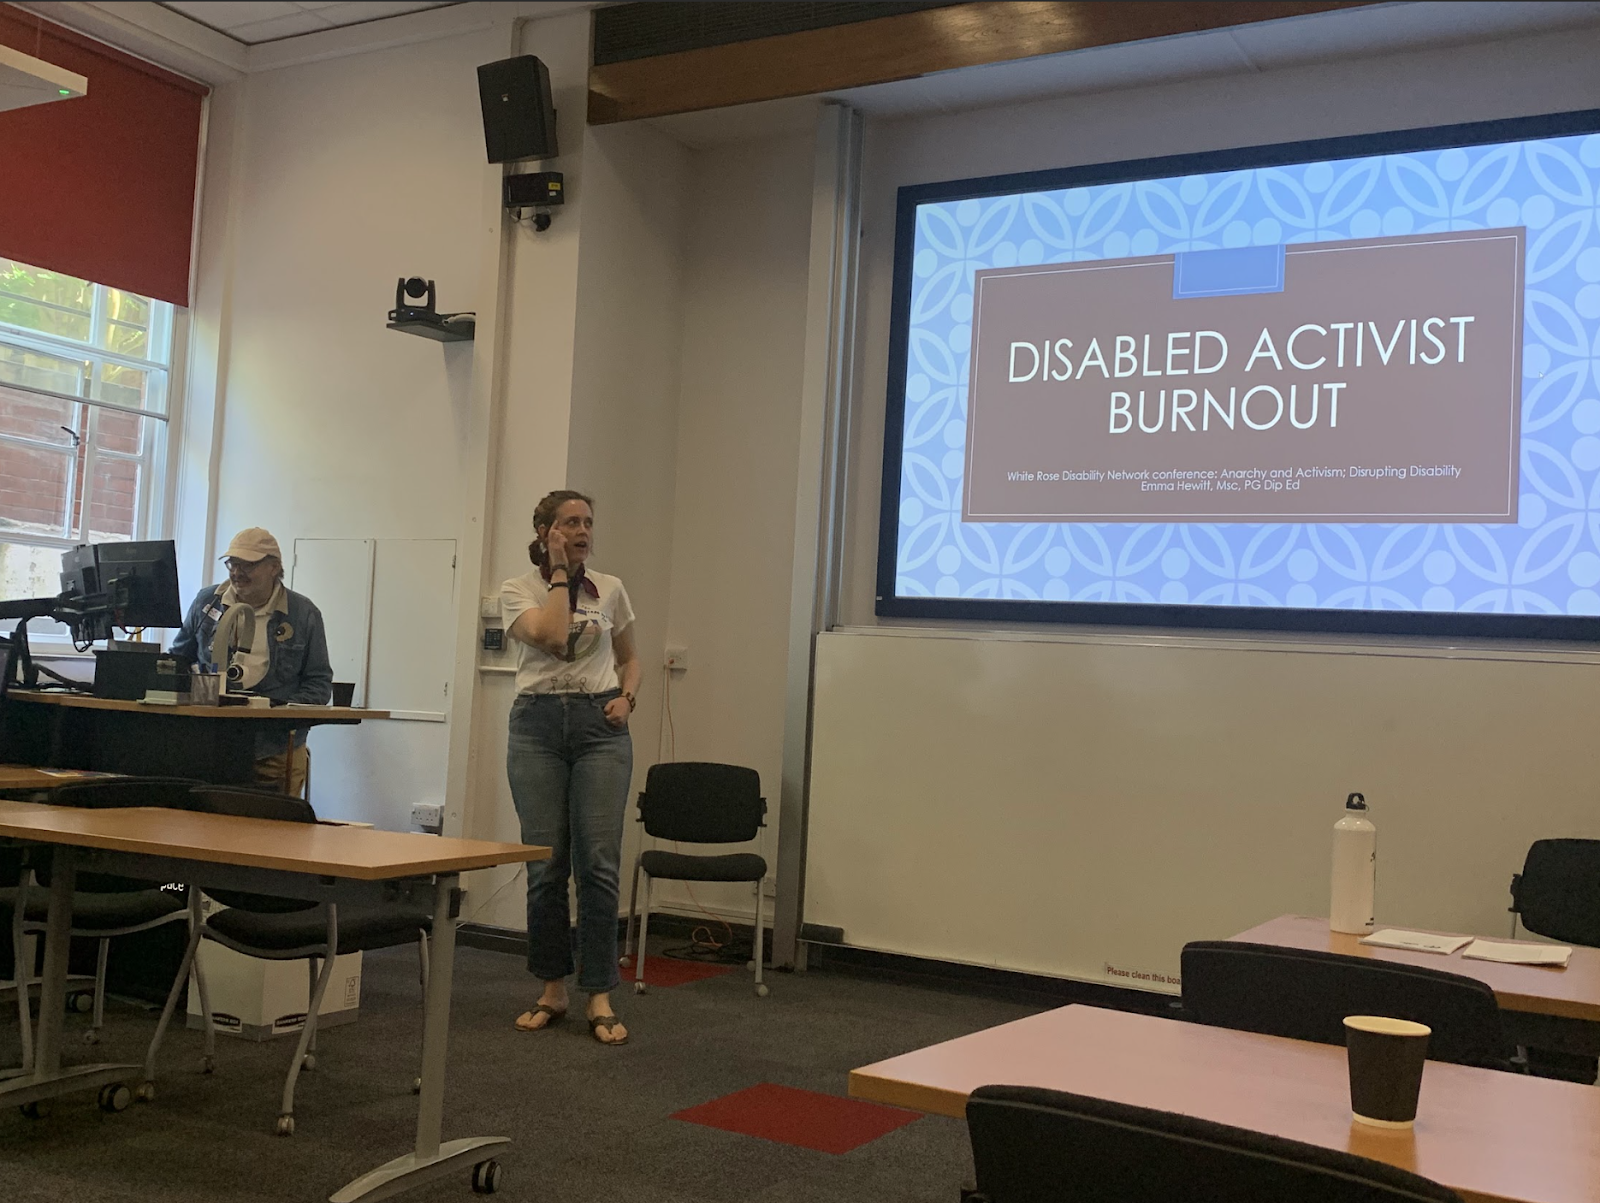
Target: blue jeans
pixel 569 771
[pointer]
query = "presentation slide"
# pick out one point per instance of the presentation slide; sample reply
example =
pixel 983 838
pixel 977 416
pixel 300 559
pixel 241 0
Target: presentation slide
pixel 1307 387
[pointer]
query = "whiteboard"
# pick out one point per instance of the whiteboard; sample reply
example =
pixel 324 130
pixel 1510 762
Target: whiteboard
pixel 389 607
pixel 1082 807
pixel 336 574
pixel 413 627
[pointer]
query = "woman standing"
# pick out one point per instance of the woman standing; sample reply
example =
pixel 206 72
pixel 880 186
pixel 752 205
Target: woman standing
pixel 570 758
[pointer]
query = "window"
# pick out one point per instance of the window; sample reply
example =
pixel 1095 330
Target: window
pixel 84 390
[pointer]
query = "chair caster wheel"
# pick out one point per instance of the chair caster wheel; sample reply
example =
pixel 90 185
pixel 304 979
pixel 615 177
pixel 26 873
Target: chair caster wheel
pixel 115 1097
pixel 91 1037
pixel 208 1065
pixel 762 991
pixel 416 1085
pixel 80 1001
pixel 35 1110
pixel 750 966
pixel 285 1125
pixel 146 1092
pixel 486 1177
pixel 625 962
pixel 309 1062
pixel 639 987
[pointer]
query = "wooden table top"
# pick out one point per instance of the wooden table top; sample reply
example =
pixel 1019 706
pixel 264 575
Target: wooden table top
pixel 84 701
pixel 1493 1137
pixel 1573 992
pixel 24 776
pixel 355 853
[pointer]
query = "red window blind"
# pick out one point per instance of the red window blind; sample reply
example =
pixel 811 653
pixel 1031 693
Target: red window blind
pixel 101 187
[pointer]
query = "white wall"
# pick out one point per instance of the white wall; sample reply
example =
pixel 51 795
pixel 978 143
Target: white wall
pixel 1417 751
pixel 684 424
pixel 528 448
pixel 737 444
pixel 325 182
pixel 619 432
pixel 1063 806
pixel 650 355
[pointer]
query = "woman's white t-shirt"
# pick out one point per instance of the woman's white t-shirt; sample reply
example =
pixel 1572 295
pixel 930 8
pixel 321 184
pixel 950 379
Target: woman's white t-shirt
pixel 590 662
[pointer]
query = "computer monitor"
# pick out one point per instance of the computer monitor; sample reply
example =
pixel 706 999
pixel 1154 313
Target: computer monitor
pixel 122 585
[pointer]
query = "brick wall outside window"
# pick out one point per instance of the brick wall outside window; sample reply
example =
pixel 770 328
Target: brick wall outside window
pixel 64 344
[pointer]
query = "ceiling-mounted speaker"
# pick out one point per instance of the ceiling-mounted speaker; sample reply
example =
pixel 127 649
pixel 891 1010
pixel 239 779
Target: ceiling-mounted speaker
pixel 519 121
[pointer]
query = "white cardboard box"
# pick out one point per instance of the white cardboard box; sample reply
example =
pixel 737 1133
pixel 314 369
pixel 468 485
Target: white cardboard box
pixel 260 999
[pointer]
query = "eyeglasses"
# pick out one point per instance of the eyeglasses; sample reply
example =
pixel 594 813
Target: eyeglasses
pixel 235 565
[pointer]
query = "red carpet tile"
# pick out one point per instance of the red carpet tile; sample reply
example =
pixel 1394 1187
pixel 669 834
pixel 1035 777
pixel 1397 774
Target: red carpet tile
pixel 665 971
pixel 799 1117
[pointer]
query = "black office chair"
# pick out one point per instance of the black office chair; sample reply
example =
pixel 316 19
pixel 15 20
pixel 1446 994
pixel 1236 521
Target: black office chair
pixel 1305 995
pixel 282 929
pixel 103 906
pixel 698 803
pixel 1557 894
pixel 1045 1146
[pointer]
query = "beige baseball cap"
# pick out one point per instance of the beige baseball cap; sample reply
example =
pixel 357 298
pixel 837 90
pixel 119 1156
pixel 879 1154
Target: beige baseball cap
pixel 252 544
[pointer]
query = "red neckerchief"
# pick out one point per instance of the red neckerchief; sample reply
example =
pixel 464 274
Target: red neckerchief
pixel 576 580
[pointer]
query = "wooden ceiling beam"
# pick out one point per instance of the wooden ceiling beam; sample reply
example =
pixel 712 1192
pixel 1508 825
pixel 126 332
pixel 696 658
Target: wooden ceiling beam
pixel 904 47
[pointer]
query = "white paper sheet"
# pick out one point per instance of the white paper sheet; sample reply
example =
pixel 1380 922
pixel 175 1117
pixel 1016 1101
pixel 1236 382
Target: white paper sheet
pixel 1415 941
pixel 1518 954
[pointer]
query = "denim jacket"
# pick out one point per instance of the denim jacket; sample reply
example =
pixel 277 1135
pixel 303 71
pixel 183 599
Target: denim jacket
pixel 297 647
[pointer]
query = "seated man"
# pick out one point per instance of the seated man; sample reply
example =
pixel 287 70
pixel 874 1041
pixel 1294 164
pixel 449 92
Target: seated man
pixel 285 657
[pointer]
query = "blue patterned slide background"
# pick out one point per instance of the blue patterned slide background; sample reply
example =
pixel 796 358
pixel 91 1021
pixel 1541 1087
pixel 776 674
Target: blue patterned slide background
pixel 1548 563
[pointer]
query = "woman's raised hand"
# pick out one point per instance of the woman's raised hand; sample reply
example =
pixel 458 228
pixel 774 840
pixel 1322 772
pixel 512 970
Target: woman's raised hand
pixel 556 548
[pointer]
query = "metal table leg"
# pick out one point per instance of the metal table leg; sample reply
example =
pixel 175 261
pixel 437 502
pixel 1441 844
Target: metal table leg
pixel 430 1158
pixel 48 1079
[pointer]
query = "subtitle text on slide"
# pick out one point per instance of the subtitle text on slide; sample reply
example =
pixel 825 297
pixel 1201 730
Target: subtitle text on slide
pixel 1232 480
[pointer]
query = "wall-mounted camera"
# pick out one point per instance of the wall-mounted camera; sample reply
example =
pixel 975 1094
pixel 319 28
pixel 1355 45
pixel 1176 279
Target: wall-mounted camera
pixel 416 312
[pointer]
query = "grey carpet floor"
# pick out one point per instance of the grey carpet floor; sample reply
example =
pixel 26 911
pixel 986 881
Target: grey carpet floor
pixel 587 1123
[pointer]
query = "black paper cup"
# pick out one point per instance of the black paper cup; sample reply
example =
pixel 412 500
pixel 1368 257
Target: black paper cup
pixel 343 691
pixel 1385 1057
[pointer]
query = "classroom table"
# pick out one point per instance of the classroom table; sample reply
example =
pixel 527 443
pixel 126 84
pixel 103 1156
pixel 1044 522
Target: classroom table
pixel 318 862
pixel 28 777
pixel 1493 1137
pixel 1544 1005
pixel 215 744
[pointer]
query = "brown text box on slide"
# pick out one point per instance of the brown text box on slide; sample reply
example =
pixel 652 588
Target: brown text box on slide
pixel 1369 431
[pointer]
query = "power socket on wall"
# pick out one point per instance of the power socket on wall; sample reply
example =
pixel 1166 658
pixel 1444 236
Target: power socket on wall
pixel 427 815
pixel 677 657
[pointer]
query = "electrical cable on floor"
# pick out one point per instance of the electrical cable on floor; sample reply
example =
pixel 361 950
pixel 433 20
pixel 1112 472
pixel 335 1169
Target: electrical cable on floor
pixel 489 901
pixel 666 695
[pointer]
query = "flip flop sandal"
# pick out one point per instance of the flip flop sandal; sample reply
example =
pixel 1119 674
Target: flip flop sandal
pixel 607 1022
pixel 555 1017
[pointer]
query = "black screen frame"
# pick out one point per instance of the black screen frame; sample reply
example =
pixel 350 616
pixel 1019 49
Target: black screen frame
pixel 1564 628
